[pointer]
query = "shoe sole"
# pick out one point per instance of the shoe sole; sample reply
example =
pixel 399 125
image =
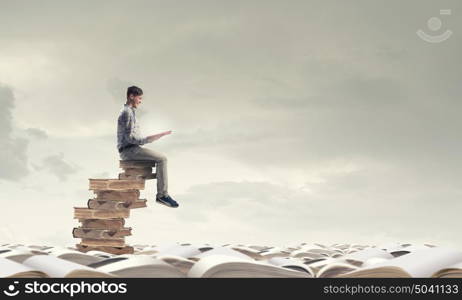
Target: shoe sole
pixel 160 202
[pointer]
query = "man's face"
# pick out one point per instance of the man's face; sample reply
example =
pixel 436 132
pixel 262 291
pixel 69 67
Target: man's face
pixel 136 100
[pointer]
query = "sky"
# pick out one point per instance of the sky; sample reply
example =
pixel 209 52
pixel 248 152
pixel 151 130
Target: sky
pixel 293 121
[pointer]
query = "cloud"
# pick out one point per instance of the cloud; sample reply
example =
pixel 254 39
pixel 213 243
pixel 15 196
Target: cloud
pixel 13 150
pixel 56 165
pixel 37 133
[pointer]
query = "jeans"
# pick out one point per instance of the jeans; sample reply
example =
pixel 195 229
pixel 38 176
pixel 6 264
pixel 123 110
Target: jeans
pixel 140 153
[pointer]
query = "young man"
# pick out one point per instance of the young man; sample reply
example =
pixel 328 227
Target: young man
pixel 129 144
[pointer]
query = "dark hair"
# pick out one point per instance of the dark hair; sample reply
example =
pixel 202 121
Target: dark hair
pixel 135 91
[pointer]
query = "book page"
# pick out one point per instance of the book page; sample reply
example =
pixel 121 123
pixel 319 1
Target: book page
pixel 9 268
pixel 224 251
pixel 227 266
pixel 130 261
pixel 423 263
pixel 367 253
pixel 54 266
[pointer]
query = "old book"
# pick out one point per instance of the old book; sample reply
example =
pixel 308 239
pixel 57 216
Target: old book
pixel 81 232
pixel 103 223
pixel 450 271
pixel 359 257
pixel 12 269
pixel 138 171
pixel 335 269
pixel 88 213
pixel 291 263
pixel 179 262
pixel 429 262
pixel 123 176
pixel 120 242
pixel 214 266
pixel 116 205
pixel 124 164
pixel 115 184
pixel 73 255
pixel 138 204
pixel 108 249
pixel 122 195
pixel 138 265
pixel 19 254
pixel 255 254
pixel 56 267
pixel 221 251
pixel 353 261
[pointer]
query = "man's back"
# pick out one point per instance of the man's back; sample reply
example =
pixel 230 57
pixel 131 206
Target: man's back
pixel 128 129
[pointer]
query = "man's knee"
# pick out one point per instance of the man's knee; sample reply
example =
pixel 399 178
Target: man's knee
pixel 158 157
pixel 153 155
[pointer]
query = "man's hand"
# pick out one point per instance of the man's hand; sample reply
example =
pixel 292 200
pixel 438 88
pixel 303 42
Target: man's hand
pixel 154 137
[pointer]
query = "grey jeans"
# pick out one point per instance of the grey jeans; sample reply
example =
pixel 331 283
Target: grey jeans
pixel 140 153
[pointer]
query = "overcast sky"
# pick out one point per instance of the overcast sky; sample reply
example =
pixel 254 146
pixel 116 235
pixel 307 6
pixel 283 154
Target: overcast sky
pixel 293 121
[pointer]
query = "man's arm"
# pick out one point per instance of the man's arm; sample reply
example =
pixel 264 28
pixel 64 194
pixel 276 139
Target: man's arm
pixel 154 137
pixel 130 133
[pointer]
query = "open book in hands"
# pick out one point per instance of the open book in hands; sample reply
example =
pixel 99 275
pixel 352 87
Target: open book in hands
pixel 154 137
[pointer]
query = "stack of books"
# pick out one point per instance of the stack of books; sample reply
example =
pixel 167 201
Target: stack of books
pixel 103 220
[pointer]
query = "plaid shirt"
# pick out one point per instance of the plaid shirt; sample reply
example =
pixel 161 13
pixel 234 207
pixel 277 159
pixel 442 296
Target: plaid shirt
pixel 127 128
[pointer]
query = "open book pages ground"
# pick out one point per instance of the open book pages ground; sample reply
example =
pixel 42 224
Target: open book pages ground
pixel 306 260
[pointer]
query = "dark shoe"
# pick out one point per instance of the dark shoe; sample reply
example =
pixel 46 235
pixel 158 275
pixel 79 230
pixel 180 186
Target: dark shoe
pixel 167 200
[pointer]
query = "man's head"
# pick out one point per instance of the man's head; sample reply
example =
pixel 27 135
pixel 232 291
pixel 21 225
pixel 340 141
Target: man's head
pixel 134 96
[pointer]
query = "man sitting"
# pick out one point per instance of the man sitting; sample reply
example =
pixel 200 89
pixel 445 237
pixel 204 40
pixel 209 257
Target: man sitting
pixel 129 144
